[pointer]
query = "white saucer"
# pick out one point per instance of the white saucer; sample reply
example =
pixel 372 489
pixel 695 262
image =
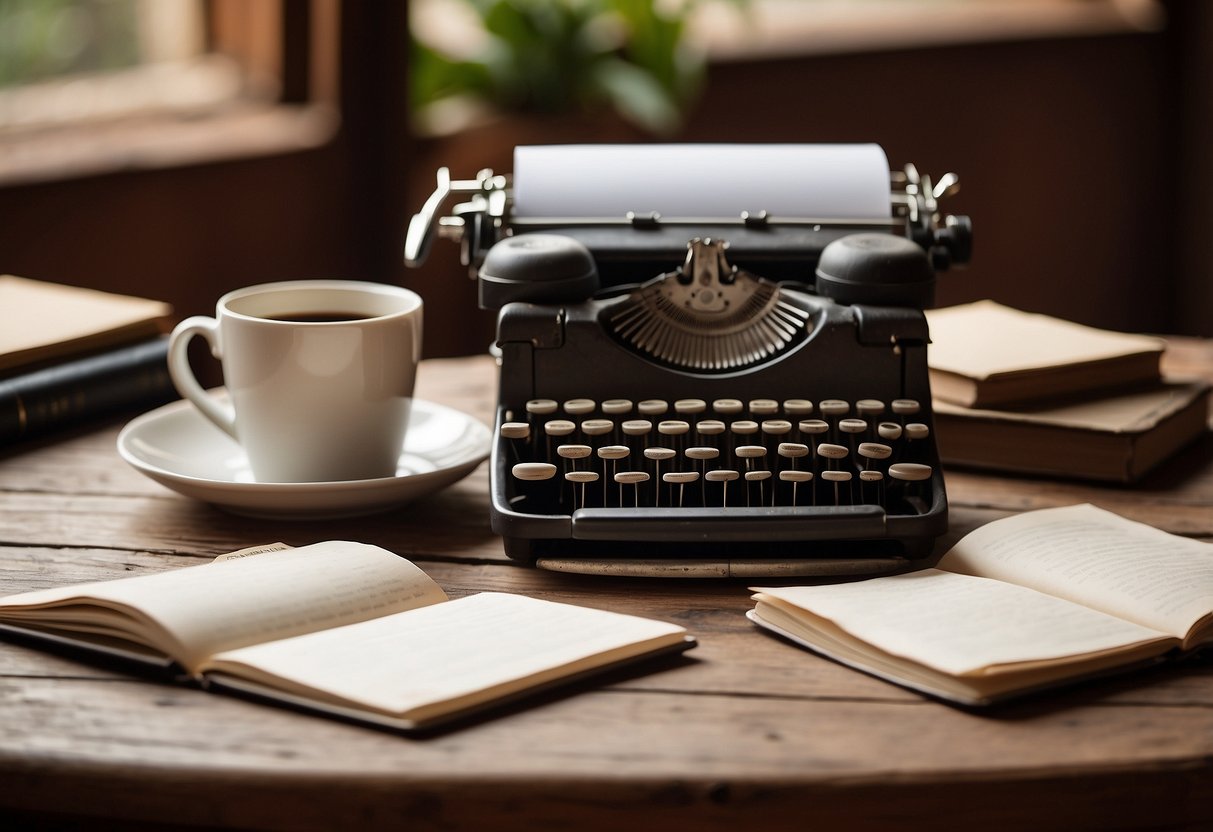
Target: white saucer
pixel 178 448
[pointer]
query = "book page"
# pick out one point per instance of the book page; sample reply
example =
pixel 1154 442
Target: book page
pixel 960 624
pixel 985 339
pixel 41 320
pixel 449 656
pixel 1096 558
pixel 193 612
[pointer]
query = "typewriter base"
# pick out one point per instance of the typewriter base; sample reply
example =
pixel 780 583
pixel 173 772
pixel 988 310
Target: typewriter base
pixel 759 559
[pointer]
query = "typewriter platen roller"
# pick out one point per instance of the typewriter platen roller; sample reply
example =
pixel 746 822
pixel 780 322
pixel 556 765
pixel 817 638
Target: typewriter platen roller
pixel 704 370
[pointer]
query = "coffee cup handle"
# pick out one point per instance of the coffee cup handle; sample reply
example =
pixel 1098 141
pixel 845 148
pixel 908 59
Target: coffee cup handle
pixel 183 377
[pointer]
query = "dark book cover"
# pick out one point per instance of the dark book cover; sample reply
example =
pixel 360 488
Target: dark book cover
pixel 39 401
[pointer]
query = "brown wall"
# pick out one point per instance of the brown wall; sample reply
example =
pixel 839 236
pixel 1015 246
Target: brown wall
pixel 1070 154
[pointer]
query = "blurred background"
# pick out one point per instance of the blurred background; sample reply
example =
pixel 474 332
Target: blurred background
pixel 177 149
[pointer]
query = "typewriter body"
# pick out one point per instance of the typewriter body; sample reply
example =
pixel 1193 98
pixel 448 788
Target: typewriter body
pixel 741 391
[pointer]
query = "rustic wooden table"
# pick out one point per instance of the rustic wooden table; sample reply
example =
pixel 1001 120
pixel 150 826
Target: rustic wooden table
pixel 744 732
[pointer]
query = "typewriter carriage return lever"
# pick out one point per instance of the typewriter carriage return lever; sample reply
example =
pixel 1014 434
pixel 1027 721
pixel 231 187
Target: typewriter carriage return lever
pixel 711 396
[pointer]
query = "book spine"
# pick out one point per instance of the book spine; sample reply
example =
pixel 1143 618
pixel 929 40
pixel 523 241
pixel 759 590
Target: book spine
pixel 77 391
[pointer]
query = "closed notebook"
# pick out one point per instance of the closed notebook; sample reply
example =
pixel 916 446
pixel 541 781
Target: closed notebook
pixel 985 354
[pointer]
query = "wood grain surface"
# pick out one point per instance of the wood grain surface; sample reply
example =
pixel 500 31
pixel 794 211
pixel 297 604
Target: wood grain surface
pixel 743 732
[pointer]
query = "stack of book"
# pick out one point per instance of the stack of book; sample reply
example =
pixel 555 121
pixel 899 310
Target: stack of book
pixel 1032 394
pixel 69 355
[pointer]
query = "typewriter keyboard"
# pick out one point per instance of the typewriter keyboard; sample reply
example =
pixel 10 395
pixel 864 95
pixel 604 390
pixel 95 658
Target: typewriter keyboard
pixel 727 453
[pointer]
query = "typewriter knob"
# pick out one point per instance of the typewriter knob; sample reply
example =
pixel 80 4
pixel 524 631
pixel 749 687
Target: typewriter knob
pixel 879 269
pixel 537 268
pixel 955 241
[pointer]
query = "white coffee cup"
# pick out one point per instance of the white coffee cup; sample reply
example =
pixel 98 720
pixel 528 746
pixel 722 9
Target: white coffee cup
pixel 319 373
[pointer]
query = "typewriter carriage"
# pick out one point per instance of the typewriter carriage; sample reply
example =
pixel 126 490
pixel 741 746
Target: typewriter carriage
pixel 592 301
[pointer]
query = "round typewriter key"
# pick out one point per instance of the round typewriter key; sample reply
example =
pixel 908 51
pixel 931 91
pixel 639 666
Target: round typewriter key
pixel 558 427
pixel 871 476
pixel 634 479
pixel 869 408
pixel 673 427
pixel 831 451
pixel 797 407
pixel 709 427
pixel 795 478
pixel 905 407
pixel 744 427
pixel 541 407
pixel 574 451
pixel 613 452
pixel 515 430
pixel 723 476
pixel 702 453
pixel 533 471
pixel 750 451
pixel 657 455
pixel 637 427
pixel 653 407
pixel 727 407
pixel 616 407
pixel 852 426
pixel 757 476
pixel 909 471
pixel 764 407
pixel 813 427
pixel 890 431
pixel 680 478
pixel 874 450
pixel 917 430
pixel 597 427
pixel 690 406
pixel 834 407
pixel 776 427
pixel 580 478
pixel 579 407
pixel 792 450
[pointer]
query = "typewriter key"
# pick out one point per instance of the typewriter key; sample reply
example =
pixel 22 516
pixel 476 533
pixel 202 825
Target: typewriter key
pixel 723 476
pixel 580 478
pixel 838 477
pixel 889 431
pixel 797 408
pixel 680 478
pixel 795 478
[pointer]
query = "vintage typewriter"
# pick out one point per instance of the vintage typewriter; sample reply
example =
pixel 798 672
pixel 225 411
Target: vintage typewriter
pixel 704 371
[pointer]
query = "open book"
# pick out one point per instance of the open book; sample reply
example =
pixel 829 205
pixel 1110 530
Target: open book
pixel 1023 603
pixel 340 627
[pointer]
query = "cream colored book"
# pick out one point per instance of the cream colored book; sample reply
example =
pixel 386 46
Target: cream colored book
pixel 1118 437
pixel 343 628
pixel 1024 603
pixel 42 321
pixel 985 354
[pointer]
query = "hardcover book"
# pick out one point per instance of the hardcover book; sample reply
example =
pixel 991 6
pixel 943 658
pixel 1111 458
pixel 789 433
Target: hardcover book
pixel 1119 437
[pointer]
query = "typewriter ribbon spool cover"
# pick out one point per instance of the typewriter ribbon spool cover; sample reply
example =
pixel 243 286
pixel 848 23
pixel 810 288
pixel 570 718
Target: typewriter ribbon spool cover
pixel 683 391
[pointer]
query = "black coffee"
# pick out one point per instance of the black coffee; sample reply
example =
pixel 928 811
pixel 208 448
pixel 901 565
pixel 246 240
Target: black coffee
pixel 319 317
